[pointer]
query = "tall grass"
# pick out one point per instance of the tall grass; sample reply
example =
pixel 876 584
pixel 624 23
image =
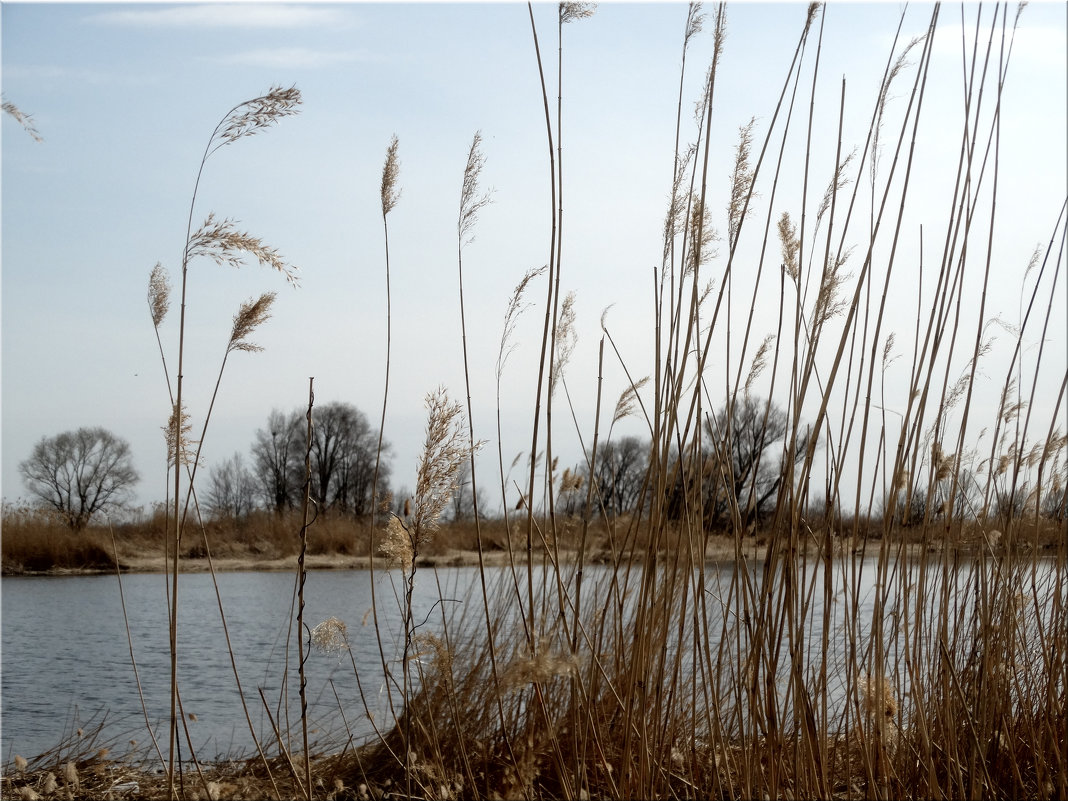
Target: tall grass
pixel 222 242
pixel 900 636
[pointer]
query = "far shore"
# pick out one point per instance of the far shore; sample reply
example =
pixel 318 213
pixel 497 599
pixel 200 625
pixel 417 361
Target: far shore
pixel 37 544
pixel 249 563
pixel 721 550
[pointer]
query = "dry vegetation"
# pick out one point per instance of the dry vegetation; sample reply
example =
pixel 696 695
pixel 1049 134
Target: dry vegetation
pixel 645 678
pixel 39 542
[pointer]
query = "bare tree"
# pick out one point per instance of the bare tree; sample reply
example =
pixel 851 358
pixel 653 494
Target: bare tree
pixel 343 459
pixel 464 503
pixel 231 489
pixel 343 450
pixel 278 460
pixel 620 474
pixel 744 462
pixel 79 473
pixel 747 450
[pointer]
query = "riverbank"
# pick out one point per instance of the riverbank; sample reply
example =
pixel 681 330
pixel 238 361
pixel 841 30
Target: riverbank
pixel 721 550
pixel 36 544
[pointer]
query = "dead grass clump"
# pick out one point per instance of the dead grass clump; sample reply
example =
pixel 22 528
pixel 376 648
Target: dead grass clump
pixel 37 541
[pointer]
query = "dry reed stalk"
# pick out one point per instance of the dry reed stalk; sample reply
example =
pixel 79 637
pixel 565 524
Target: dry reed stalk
pixel 224 244
pixel 390 194
pixel 302 577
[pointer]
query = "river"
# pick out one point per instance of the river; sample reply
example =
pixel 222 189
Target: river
pixel 67 657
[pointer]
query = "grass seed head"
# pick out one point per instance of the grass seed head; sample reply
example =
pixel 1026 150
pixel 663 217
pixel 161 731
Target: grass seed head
pixel 159 294
pixel 446 450
pixel 248 318
pixel 471 201
pixel 628 399
pixel 171 434
pixel 390 170
pixel 565 338
pixel 253 116
pixel 759 362
pixel 515 309
pixel 442 655
pixel 527 668
pixel 790 246
pixel 695 20
pixel 23 119
pixel 331 636
pixel 702 235
pixel 871 690
pixel 220 241
pixel 569 12
pixel 397 544
pixel 741 182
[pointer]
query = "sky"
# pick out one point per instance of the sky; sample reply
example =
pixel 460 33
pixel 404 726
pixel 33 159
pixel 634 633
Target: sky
pixel 127 95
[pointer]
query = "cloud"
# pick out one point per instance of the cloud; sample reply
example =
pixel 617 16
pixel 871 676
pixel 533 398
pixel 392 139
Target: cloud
pixel 290 57
pixel 229 15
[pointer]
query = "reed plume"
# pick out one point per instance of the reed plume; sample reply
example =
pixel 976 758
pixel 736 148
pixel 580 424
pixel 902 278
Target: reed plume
pixel 741 182
pixel 159 294
pixel 516 306
pixel 703 236
pixel 220 241
pixel 253 116
pixel 565 337
pixel 23 119
pixel 627 400
pixel 390 171
pixel 446 448
pixel 173 435
pixel 471 200
pixel 790 247
pixel 331 636
pixel 251 315
pixel 569 12
pixel 760 360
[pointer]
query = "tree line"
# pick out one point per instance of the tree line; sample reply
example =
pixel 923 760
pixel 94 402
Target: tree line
pixel 82 473
pixel 85 472
pixel 741 464
pixel 740 467
pixel 343 457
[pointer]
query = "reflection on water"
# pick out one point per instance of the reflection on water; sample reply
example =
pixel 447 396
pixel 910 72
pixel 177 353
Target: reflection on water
pixel 66 655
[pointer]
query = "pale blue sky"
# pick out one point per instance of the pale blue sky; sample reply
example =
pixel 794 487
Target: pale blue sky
pixel 126 96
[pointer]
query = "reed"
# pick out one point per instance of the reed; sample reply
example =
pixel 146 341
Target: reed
pixel 222 242
pixel 862 651
pixel 886 621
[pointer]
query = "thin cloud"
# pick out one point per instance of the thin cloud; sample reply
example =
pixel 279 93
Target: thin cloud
pixel 244 15
pixel 51 74
pixel 290 57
